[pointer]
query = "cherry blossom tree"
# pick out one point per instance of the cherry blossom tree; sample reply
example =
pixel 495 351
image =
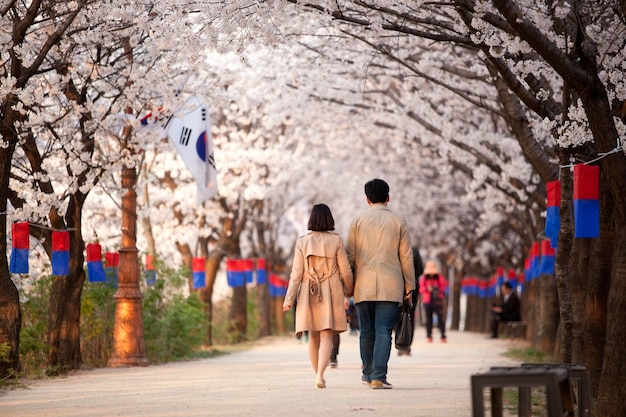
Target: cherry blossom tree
pixel 562 62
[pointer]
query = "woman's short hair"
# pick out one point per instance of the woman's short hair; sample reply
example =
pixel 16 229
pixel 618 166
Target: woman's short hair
pixel 321 219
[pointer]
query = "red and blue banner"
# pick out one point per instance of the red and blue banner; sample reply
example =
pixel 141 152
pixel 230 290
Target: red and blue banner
pixel 60 253
pixel 235 273
pixel 535 260
pixel 112 260
pixel 261 272
pixel 527 272
pixel 20 247
pixel 95 270
pixel 248 270
pixel 483 288
pixel 111 263
pixel 586 201
pixel 150 272
pixel 499 279
pixel 547 257
pixel 553 213
pixel 512 278
pixel 492 287
pixel 521 279
pixel 278 286
pixel 198 273
pixel 469 286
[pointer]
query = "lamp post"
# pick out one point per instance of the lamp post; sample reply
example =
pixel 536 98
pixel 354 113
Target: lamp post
pixel 128 339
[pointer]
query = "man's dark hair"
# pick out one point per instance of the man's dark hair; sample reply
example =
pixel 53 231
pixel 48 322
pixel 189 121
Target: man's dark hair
pixel 321 219
pixel 507 285
pixel 377 191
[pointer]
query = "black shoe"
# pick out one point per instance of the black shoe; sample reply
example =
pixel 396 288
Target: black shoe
pixel 333 363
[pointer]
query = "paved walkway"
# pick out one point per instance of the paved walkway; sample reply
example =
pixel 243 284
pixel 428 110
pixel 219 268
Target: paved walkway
pixel 273 378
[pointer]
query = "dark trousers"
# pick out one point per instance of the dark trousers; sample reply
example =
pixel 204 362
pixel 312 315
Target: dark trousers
pixel 335 351
pixel 495 321
pixel 431 309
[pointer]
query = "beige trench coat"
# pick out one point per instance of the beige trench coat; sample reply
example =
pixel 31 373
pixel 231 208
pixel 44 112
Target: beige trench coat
pixel 325 256
pixel 379 249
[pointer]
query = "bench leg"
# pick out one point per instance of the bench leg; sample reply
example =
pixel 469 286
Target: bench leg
pixel 496 402
pixel 524 402
pixel 478 401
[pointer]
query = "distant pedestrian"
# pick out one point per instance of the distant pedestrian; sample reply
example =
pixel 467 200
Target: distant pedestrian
pixel 509 310
pixel 433 287
pixel 320 277
pixel 334 353
pixel 353 318
pixel 379 249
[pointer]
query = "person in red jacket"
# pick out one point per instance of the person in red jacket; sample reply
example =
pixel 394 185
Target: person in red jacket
pixel 432 287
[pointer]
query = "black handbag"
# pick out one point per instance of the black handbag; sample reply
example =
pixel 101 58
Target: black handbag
pixel 404 327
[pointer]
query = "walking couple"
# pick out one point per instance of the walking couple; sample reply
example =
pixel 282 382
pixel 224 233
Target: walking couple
pixel 375 267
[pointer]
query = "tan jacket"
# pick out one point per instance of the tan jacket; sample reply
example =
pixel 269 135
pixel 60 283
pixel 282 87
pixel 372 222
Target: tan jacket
pixel 319 257
pixel 379 251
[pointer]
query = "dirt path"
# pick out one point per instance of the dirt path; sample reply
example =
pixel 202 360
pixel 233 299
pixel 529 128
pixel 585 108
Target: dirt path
pixel 273 378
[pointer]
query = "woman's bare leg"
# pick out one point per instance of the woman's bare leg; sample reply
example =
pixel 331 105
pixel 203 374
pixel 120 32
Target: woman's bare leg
pixel 314 347
pixel 325 348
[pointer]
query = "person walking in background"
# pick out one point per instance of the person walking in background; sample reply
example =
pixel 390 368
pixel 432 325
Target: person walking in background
pixel 418 266
pixel 320 277
pixel 509 310
pixel 353 318
pixel 337 339
pixel 432 287
pixel 379 250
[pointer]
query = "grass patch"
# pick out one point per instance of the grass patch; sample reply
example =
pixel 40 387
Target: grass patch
pixel 528 355
pixel 510 396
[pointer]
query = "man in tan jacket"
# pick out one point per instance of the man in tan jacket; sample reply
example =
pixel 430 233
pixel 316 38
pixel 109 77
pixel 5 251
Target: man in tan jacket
pixel 380 254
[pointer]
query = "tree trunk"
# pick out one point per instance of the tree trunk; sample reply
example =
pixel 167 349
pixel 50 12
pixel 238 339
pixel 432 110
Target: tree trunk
pixel 548 320
pixel 187 257
pixel 64 316
pixel 566 290
pixel 263 297
pixel 598 254
pixel 238 314
pixel 10 312
pixel 529 310
pixel 65 299
pixel 578 263
pixel 611 401
pixel 264 309
pixel 456 299
pixel 213 261
pixel 611 265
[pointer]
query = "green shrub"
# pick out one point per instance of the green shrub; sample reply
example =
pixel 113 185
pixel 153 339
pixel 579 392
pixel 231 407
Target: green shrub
pixel 97 316
pixel 33 348
pixel 175 326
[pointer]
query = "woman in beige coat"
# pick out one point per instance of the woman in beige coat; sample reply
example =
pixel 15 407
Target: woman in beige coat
pixel 320 278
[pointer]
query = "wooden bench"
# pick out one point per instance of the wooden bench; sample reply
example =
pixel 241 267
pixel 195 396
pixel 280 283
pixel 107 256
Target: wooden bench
pixel 516 330
pixel 579 378
pixel 555 380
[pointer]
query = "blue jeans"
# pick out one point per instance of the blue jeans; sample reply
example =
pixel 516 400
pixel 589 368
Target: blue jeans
pixel 376 319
